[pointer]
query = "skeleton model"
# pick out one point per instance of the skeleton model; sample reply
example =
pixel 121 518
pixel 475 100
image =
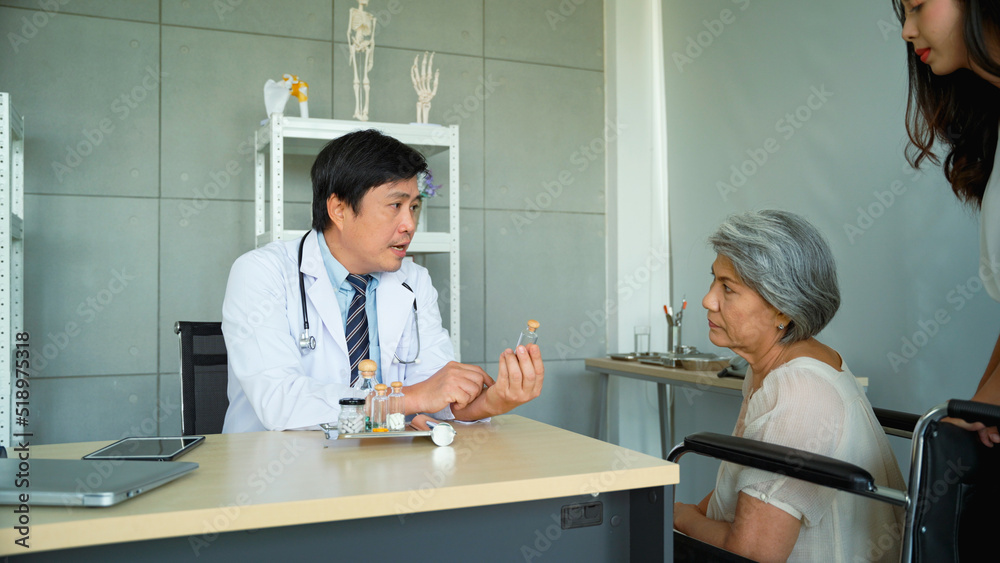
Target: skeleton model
pixel 276 94
pixel 425 87
pixel 361 37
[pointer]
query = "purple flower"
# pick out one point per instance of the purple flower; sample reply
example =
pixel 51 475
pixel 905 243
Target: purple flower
pixel 428 189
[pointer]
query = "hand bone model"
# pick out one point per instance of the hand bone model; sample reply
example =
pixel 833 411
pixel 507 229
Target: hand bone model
pixel 425 87
pixel 361 38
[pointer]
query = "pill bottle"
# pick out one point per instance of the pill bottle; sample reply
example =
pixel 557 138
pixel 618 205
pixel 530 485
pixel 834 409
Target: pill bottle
pixel 352 416
pixel 366 369
pixel 397 410
pixel 380 409
pixel 528 335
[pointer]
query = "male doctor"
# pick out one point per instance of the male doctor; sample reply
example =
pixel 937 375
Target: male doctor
pixel 360 299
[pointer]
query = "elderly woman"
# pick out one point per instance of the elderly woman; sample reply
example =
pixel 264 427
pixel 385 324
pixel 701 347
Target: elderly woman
pixel 774 287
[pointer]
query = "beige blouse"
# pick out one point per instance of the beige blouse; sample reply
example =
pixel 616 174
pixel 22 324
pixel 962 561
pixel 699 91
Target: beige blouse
pixel 808 405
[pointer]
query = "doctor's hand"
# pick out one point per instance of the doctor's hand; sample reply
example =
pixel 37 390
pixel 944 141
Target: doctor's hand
pixel 420 421
pixel 519 380
pixel 455 384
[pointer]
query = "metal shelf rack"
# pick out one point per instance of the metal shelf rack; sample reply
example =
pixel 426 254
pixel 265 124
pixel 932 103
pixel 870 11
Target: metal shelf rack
pixel 282 135
pixel 11 256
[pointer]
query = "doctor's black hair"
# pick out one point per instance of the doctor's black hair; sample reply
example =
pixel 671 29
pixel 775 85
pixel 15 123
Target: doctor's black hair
pixel 351 165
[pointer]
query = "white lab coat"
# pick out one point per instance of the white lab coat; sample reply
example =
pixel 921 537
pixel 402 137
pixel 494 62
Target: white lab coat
pixel 273 384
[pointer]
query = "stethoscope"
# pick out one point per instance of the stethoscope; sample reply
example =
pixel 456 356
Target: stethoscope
pixel 307 342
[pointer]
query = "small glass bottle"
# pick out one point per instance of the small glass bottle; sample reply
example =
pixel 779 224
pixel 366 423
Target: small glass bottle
pixel 528 335
pixel 397 411
pixel 380 409
pixel 366 389
pixel 352 416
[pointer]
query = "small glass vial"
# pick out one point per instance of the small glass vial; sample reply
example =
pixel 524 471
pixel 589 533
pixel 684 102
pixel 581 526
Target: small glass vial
pixel 397 412
pixel 352 416
pixel 528 335
pixel 380 409
pixel 366 390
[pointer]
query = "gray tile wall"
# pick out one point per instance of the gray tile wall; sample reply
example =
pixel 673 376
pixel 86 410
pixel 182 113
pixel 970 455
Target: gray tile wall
pixel 134 111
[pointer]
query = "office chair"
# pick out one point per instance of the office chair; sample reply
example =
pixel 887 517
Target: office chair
pixel 951 501
pixel 204 377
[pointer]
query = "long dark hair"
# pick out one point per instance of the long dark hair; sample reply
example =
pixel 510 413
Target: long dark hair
pixel 960 110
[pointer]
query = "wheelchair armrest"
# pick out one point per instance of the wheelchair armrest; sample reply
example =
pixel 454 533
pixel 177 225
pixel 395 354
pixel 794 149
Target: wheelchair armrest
pixel 902 423
pixel 799 464
pixel 972 411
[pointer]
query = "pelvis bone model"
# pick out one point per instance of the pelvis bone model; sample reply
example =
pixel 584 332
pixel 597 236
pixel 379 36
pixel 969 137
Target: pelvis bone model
pixel 276 94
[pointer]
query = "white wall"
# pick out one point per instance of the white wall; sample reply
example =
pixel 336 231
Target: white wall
pixel 638 249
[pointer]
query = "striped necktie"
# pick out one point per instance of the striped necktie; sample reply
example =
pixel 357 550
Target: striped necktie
pixel 357 324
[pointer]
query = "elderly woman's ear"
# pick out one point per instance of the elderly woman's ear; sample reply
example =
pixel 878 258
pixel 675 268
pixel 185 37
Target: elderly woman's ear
pixel 783 321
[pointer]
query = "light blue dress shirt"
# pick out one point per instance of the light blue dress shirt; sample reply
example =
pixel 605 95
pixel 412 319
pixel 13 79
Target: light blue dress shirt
pixel 345 293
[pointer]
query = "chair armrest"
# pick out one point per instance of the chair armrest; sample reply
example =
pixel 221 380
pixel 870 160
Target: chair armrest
pixel 897 420
pixel 972 411
pixel 807 466
pixel 799 464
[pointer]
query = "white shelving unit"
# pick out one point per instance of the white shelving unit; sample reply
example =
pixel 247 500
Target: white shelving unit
pixel 11 258
pixel 283 135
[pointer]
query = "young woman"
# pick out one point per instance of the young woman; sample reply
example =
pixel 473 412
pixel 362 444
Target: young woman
pixel 954 101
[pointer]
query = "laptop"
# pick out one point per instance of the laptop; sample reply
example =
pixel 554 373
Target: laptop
pixel 81 482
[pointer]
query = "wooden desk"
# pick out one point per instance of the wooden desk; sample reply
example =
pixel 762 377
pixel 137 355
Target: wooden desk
pixel 693 382
pixel 496 494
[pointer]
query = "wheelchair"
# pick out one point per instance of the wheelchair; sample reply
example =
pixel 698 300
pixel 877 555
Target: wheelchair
pixel 951 501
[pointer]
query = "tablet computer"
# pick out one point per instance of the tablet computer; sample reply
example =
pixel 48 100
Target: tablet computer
pixel 78 482
pixel 149 448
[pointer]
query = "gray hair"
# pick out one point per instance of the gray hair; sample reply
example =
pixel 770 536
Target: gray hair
pixel 787 262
